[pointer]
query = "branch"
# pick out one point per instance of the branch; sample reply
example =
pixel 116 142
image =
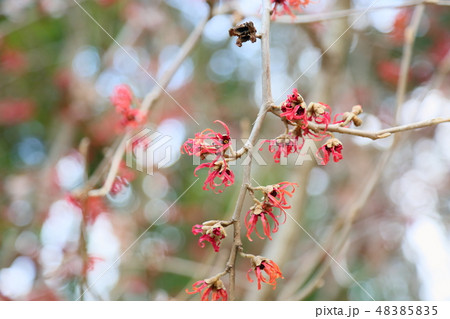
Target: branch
pixel 115 164
pixel 340 14
pixel 264 108
pixel 377 134
pixel 150 99
pixel 410 36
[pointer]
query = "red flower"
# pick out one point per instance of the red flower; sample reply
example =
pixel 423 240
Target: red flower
pixel 212 231
pixel 285 4
pixel 260 211
pixel 15 111
pixel 122 97
pixel 283 146
pixel 319 113
pixel 276 195
pixel 208 142
pixel 216 289
pixel 400 24
pixel 294 108
pixel 132 118
pixel 261 265
pixel 334 147
pixel 218 171
pixel 389 71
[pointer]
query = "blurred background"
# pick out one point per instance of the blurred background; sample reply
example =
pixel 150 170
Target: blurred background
pixel 382 212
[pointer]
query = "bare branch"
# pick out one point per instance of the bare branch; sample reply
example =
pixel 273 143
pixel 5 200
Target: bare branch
pixel 410 36
pixel 115 164
pixel 378 134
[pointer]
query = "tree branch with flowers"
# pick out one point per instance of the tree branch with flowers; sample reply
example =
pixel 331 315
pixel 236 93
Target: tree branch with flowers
pixel 246 220
pixel 301 121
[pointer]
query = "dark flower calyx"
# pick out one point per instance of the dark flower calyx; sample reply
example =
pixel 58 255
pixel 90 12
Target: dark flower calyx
pixel 245 32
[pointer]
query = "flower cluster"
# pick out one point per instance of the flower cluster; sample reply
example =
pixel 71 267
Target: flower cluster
pixel 310 121
pixel 211 143
pixel 265 270
pixel 214 289
pixel 261 265
pixel 286 6
pixel 212 231
pixel 273 196
pixel 284 145
pixel 122 99
pixel 295 111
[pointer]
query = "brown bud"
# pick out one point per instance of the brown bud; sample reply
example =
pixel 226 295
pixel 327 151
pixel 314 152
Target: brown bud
pixel 357 109
pixel 357 121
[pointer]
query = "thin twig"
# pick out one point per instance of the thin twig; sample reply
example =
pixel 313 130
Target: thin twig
pixel 340 14
pixel 410 37
pixel 115 164
pixel 374 135
pixel 381 133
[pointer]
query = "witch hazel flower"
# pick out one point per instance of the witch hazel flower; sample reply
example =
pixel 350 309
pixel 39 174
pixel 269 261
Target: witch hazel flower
pixel 261 211
pixel 122 99
pixel 208 142
pixel 319 113
pixel 265 270
pixel 286 6
pixel 219 176
pixel 132 118
pixel 333 147
pixel 210 289
pixel 284 145
pixel 212 231
pixel 273 196
pixel 276 194
pixel 294 108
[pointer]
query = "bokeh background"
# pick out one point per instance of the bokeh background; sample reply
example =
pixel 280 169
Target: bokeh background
pixel 58 69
